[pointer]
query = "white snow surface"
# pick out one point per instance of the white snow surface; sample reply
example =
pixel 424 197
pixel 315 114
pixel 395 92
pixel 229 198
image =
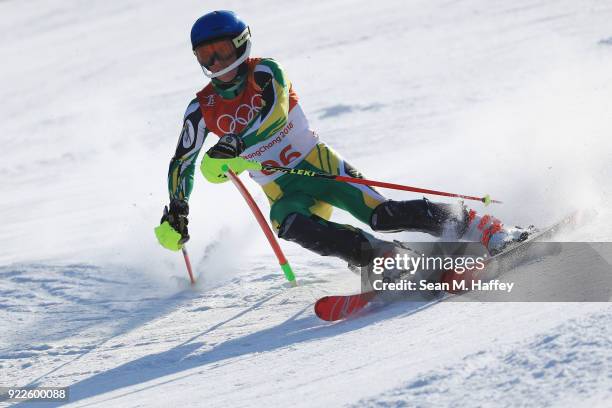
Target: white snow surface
pixel 513 99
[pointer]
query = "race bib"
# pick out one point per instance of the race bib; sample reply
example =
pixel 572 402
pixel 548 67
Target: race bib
pixel 286 149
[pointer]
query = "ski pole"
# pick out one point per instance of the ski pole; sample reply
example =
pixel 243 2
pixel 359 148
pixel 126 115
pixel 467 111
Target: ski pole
pixel 188 264
pixel 282 260
pixel 372 183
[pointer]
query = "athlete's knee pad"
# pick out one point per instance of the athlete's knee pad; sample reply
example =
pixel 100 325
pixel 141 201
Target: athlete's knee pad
pixel 327 238
pixel 418 215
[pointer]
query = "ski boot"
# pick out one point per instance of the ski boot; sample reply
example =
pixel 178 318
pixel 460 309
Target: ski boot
pixel 491 233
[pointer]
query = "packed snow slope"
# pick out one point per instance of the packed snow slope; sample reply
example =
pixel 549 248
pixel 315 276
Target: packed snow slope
pixel 513 99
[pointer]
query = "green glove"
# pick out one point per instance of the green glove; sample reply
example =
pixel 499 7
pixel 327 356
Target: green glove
pixel 213 168
pixel 225 155
pixel 172 231
pixel 168 237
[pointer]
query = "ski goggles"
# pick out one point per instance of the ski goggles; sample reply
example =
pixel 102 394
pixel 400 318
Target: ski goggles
pixel 222 51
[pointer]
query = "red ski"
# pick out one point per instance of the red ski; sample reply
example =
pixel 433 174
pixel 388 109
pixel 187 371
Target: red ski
pixel 332 308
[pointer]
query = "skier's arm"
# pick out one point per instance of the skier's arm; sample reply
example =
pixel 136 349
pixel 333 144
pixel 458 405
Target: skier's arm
pixel 271 78
pixel 182 165
pixel 172 232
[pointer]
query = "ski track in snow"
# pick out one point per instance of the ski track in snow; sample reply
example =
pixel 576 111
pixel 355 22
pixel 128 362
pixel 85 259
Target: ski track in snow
pixel 511 99
pixel 573 358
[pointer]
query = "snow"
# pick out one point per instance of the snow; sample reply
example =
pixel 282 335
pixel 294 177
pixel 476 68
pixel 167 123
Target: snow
pixel 475 97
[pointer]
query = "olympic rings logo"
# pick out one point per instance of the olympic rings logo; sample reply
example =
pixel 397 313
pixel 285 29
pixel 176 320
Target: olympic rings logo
pixel 244 115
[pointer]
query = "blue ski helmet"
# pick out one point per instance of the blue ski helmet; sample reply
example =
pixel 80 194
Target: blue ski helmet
pixel 218 25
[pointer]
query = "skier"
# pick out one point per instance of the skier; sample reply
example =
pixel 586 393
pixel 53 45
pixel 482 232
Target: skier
pixel 251 105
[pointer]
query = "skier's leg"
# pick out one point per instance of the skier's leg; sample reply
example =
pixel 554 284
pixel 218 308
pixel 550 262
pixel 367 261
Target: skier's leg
pixel 299 210
pixel 370 207
pixel 422 216
pixel 328 238
pixel 299 219
pixel 454 221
